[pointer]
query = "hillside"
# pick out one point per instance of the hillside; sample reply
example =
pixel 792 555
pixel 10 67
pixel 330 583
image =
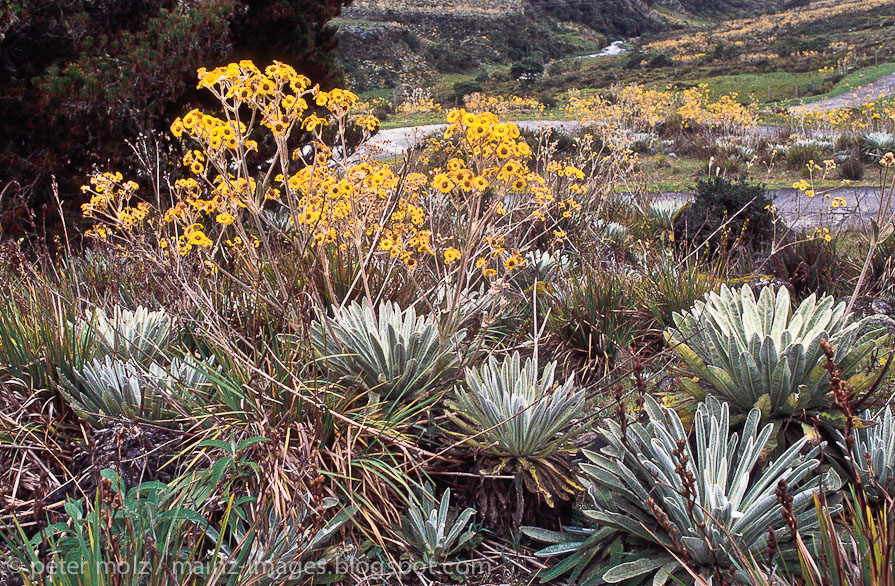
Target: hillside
pixel 386 44
pixel 409 43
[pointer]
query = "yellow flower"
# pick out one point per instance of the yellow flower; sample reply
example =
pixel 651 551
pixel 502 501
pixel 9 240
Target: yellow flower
pixel 386 243
pixel 480 262
pixel 442 183
pixel 514 262
pixel 224 218
pixel 278 127
pixel 312 122
pixel 480 183
pixel 198 238
pixel 450 255
pixel 575 172
pixel 489 272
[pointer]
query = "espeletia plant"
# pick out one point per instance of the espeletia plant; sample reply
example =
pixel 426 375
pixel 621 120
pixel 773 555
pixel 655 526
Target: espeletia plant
pixel 876 144
pixel 870 455
pixel 434 531
pixel 113 388
pixel 274 549
pixel 130 374
pixel 523 421
pixel 141 334
pixel 760 353
pixel 392 353
pixel 708 502
pixel 542 269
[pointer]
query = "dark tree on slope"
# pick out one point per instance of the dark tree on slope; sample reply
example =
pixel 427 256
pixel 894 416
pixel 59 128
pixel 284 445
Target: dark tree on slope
pixel 78 78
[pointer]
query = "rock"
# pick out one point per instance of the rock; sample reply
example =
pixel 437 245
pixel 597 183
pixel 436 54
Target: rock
pixel 861 308
pixel 667 383
pixel 881 307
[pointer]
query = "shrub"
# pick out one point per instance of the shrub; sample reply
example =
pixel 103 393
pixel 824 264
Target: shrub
pixel 659 60
pixel 526 69
pixel 725 211
pixel 763 355
pixel 465 88
pixel 851 167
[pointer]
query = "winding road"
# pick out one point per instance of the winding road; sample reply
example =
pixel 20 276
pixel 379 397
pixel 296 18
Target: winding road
pixel 881 88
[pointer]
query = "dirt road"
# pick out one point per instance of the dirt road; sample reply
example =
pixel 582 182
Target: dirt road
pixel 881 88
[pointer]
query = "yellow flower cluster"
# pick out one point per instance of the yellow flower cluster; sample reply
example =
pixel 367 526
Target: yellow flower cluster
pixel 419 101
pixel 347 207
pixel 763 27
pixel 634 109
pixel 488 183
pixel 498 260
pixel 502 105
pixel 111 203
pixel 331 203
pixel 724 114
pixel 871 115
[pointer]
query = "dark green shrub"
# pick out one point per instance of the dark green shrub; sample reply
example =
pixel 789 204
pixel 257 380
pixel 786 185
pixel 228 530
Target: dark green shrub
pixel 634 60
pixel 464 88
pixel 725 212
pixel 450 59
pixel 813 266
pixel 526 69
pixel 851 167
pixel 660 60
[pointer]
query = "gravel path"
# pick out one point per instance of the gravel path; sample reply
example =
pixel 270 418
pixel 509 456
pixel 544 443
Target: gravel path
pixel 797 211
pixel 393 142
pixel 881 88
pixel 802 212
